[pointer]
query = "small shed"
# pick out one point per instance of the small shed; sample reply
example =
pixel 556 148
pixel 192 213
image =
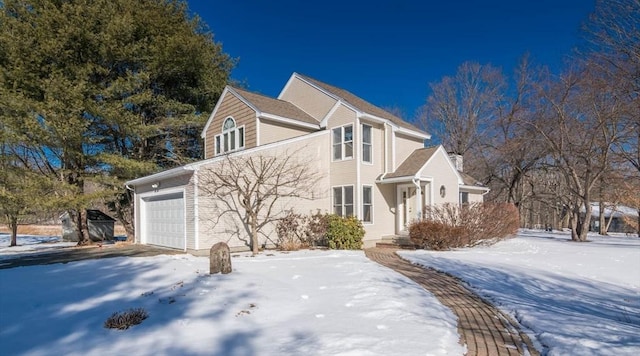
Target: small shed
pixel 100 226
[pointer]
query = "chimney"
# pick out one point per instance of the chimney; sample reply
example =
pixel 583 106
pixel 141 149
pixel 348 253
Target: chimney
pixel 456 159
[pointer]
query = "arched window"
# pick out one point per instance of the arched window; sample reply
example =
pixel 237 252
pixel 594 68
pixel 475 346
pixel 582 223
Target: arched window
pixel 231 138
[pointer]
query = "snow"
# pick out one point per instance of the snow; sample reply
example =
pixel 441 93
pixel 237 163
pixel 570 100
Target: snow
pixel 30 244
pixel 574 298
pixel 305 302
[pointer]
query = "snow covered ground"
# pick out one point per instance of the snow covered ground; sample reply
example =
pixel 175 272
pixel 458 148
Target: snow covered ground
pixel 575 298
pixel 299 303
pixel 30 244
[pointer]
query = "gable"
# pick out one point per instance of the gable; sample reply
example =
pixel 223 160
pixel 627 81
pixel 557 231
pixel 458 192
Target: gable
pixel 230 105
pixel 307 97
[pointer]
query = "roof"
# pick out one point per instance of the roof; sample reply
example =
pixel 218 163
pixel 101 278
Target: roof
pixel 361 104
pixel 275 106
pixel 469 180
pixel 416 160
pixel 97 215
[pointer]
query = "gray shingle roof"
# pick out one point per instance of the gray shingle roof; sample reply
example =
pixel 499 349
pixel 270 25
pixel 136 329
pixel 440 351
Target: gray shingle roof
pixel 469 180
pixel 276 107
pixel 361 104
pixel 413 163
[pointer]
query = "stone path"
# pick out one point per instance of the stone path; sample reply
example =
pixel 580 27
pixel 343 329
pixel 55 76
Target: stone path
pixel 482 327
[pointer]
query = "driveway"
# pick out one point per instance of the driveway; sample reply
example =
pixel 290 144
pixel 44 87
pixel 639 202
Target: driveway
pixel 71 254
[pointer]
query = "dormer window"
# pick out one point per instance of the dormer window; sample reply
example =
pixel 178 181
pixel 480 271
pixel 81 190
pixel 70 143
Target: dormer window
pixel 231 139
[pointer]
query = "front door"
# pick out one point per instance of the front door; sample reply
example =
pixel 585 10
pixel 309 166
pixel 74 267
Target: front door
pixel 406 206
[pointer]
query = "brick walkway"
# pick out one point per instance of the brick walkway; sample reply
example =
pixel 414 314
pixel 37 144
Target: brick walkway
pixel 482 327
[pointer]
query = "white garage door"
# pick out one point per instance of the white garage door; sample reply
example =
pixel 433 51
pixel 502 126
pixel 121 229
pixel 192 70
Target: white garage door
pixel 164 220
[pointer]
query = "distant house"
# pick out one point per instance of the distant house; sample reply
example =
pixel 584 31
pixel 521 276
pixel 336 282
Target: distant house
pixel 614 216
pixel 375 165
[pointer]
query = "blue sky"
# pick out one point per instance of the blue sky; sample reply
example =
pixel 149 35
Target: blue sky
pixel 387 52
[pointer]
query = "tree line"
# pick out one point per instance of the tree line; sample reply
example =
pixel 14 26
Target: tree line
pixel 553 143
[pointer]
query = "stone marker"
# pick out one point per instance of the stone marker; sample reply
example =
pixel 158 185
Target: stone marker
pixel 220 259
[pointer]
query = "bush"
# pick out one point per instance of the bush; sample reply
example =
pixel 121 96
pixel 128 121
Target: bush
pixel 296 231
pixel 126 319
pixel 344 233
pixel 450 226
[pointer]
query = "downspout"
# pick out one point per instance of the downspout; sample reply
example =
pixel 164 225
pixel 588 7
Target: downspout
pixel 196 214
pixel 416 182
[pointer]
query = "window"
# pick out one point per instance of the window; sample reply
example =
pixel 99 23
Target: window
pixel 464 198
pixel 343 201
pixel 231 138
pixel 343 142
pixel 367 203
pixel 367 154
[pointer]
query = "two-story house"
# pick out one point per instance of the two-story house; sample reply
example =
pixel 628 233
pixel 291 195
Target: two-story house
pixel 372 165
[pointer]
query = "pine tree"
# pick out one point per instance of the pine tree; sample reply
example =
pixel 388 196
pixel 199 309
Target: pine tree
pixel 106 91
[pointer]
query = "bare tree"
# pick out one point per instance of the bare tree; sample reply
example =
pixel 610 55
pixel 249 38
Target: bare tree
pixel 460 107
pixel 579 125
pixel 257 189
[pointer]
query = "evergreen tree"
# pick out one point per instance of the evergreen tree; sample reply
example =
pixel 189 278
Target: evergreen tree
pixel 106 91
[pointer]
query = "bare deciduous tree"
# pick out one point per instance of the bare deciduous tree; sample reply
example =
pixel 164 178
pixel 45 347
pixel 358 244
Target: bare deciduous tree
pixel 255 189
pixel 580 124
pixel 460 107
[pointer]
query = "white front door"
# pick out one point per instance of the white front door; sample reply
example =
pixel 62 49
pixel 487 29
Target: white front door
pixel 406 206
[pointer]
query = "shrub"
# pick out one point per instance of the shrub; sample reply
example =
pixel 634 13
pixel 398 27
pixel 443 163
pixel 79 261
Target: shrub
pixel 290 232
pixel 126 319
pixel 449 225
pixel 296 231
pixel 344 233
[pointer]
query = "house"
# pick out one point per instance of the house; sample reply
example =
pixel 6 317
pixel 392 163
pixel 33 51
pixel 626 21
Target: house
pixel 618 218
pixel 372 165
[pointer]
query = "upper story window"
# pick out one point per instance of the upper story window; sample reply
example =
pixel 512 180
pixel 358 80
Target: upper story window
pixel 343 142
pixel 231 139
pixel 367 150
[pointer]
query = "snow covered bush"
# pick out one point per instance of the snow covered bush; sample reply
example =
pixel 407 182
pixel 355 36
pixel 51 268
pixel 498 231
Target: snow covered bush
pixel 344 233
pixel 450 225
pixel 126 319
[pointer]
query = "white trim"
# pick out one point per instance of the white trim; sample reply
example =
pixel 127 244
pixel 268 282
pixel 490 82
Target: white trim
pixel 357 155
pixel 174 172
pixel 372 222
pixel 342 143
pixel 362 143
pixel 325 119
pixel 453 168
pixel 353 199
pixel 413 133
pixel 404 130
pixel 213 112
pixel 258 123
pixel 196 211
pixel 288 121
pixel 474 187
pixel 393 149
pixel 195 165
pixel 143 237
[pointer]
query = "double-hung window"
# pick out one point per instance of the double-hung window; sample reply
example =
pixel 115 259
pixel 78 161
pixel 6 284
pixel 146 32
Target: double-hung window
pixel 231 139
pixel 343 142
pixel 367 204
pixel 367 151
pixel 343 200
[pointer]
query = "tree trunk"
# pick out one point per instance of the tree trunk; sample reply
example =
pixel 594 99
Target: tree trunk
pixel 254 235
pixel 573 225
pixel 13 224
pixel 601 219
pixel 82 228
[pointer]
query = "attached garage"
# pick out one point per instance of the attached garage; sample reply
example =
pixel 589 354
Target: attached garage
pixel 163 220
